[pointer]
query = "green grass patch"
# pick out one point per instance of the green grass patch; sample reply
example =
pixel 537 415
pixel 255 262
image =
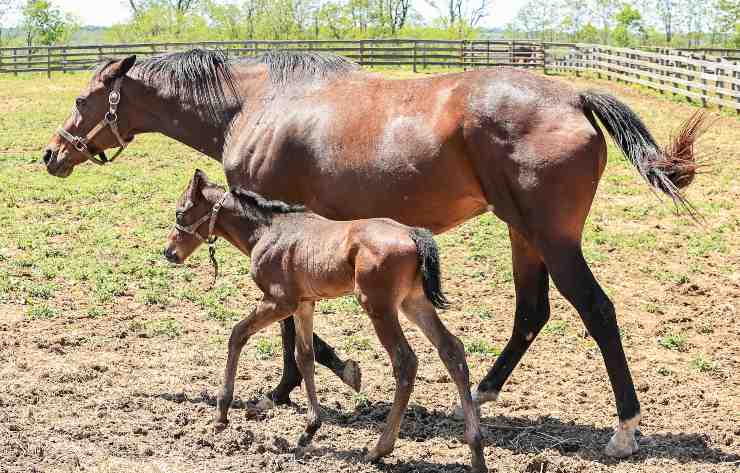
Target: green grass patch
pixel 703 364
pixel 673 341
pixel 42 311
pixel 265 348
pixel 555 327
pixel 169 328
pixel 354 343
pixel 481 348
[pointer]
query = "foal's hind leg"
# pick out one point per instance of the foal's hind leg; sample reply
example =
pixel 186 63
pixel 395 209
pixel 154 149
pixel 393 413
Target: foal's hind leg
pixel 404 362
pixel 532 312
pixel 574 279
pixel 305 358
pixel 421 312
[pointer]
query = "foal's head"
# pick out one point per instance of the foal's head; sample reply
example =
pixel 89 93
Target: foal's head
pixel 94 124
pixel 196 218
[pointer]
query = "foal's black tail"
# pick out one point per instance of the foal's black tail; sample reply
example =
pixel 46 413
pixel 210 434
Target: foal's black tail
pixel 426 249
pixel 667 170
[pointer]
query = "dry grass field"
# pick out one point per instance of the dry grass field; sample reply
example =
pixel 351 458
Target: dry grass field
pixel 110 358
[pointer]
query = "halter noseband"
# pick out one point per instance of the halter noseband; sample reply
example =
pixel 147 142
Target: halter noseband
pixel 192 229
pixel 109 120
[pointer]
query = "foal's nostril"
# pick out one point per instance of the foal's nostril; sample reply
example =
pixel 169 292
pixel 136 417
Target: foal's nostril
pixel 170 255
pixel 47 156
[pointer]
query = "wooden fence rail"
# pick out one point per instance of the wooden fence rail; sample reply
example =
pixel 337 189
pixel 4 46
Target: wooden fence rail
pixel 702 78
pixel 417 53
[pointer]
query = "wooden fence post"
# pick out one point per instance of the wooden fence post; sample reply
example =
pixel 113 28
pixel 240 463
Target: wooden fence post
pixel 462 55
pixel 719 83
pixel 414 56
pixel 48 62
pixel 15 62
pixel 362 52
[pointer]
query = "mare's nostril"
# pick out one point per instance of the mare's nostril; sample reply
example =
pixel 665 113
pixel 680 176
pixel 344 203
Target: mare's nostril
pixel 47 156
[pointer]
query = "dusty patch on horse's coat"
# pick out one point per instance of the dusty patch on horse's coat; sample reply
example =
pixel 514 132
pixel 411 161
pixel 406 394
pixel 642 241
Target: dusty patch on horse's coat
pixel 404 138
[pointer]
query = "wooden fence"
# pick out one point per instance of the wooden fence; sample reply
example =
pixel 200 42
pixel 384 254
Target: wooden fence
pixel 694 74
pixel 698 77
pixel 375 52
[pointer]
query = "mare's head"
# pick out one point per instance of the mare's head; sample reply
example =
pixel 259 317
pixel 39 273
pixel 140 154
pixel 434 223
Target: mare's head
pixel 95 123
pixel 195 218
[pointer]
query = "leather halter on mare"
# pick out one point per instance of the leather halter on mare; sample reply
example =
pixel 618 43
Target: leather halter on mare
pixel 211 217
pixel 109 120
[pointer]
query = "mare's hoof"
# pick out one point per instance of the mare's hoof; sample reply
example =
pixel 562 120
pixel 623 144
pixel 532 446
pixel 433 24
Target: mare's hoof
pixel 621 445
pixel 264 404
pixel 352 375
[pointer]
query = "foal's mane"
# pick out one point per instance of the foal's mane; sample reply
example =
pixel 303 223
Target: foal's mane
pixel 254 205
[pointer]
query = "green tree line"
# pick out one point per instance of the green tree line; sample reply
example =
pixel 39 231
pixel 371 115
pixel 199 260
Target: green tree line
pixel 634 23
pixel 199 20
pixel 672 23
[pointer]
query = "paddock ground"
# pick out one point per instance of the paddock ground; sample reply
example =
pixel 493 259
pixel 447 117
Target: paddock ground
pixel 110 358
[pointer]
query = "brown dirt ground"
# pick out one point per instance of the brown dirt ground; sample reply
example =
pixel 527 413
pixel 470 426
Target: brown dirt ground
pixel 99 395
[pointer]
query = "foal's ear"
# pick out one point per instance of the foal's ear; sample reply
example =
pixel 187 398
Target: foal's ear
pixel 118 68
pixel 197 184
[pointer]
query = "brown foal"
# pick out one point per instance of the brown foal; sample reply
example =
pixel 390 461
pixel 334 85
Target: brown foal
pixel 297 258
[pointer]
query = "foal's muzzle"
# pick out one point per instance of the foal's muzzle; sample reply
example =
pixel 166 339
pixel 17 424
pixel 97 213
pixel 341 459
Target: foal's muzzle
pixel 171 256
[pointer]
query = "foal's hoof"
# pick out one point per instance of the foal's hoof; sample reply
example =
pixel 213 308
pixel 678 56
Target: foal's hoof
pixel 220 426
pixel 264 404
pixel 621 445
pixel 352 376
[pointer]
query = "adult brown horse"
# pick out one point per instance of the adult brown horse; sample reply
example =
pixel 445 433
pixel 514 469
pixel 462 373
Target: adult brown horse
pixel 431 152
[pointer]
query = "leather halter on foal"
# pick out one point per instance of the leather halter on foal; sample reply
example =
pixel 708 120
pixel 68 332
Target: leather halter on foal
pixel 109 120
pixel 211 217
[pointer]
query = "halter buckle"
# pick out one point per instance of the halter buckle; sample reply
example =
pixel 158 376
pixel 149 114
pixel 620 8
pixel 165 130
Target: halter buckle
pixel 79 144
pixel 111 117
pixel 114 98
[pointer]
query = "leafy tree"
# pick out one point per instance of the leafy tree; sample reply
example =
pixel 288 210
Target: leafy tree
pixel 629 23
pixel 46 24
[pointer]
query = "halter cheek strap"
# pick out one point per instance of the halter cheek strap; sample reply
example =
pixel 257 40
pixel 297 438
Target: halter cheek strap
pixel 192 229
pixel 110 120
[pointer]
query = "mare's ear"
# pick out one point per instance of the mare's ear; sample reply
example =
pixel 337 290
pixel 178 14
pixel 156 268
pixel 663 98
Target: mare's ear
pixel 118 68
pixel 197 184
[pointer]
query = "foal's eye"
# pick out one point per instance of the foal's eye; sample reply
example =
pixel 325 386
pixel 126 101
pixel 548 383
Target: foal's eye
pixel 80 101
pixel 178 215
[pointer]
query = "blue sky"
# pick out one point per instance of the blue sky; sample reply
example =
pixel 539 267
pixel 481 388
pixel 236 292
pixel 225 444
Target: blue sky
pixel 107 12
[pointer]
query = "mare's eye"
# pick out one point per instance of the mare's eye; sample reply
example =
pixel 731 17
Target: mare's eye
pixel 178 215
pixel 80 101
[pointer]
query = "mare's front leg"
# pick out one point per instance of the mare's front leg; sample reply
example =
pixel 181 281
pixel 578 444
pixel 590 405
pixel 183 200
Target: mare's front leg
pixel 305 359
pixel 266 313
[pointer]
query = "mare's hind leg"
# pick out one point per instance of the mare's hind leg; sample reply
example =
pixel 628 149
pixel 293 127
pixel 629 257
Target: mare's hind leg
pixel 305 358
pixel 404 362
pixel 262 316
pixel 348 371
pixel 421 312
pixel 532 312
pixel 574 280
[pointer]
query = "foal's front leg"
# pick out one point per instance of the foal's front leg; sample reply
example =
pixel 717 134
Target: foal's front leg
pixel 305 359
pixel 262 316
